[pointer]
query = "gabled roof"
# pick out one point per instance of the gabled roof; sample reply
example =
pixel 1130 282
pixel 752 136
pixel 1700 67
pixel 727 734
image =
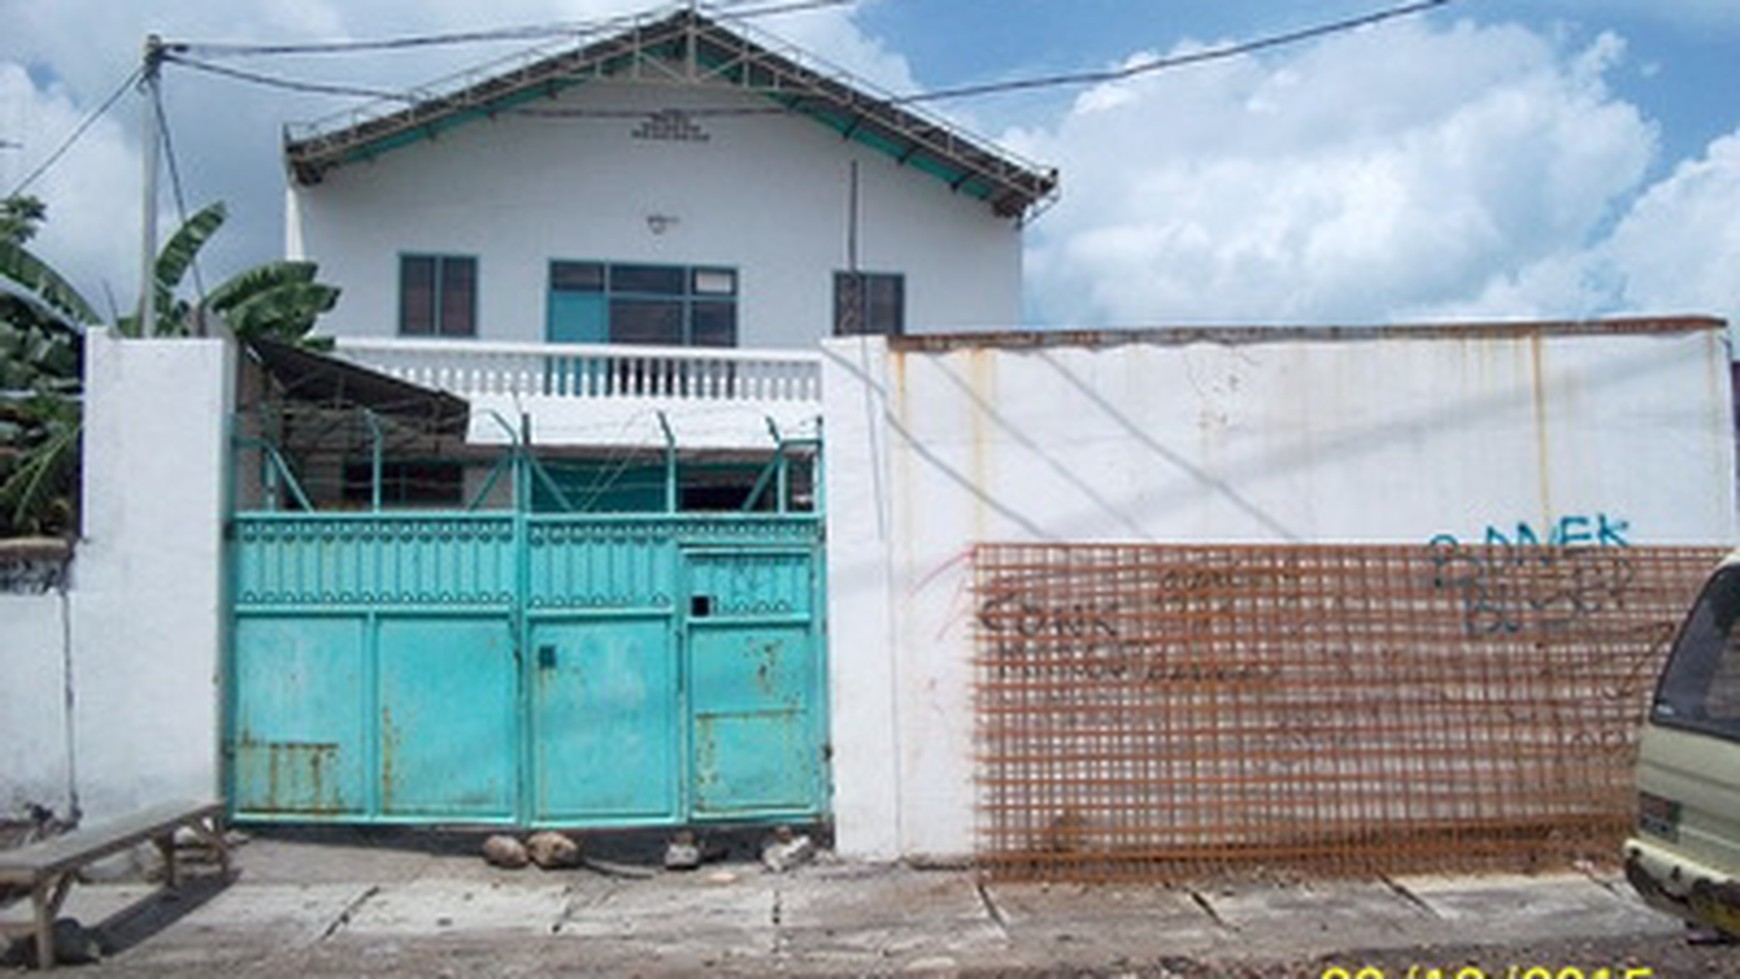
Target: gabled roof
pixel 681 48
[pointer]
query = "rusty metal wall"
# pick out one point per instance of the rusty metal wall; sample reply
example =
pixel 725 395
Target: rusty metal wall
pixel 1159 712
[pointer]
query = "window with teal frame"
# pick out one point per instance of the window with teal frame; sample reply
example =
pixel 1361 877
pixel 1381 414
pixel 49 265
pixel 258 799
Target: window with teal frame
pixel 660 305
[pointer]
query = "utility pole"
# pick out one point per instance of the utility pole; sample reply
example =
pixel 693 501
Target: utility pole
pixel 148 221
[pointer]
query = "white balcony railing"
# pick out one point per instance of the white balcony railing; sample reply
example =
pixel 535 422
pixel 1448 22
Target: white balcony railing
pixel 598 371
pixel 612 395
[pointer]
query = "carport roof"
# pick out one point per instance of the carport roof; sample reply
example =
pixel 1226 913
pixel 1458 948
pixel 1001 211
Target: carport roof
pixel 312 377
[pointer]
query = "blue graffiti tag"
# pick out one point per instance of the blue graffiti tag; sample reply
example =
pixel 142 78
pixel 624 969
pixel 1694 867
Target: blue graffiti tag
pixel 1581 530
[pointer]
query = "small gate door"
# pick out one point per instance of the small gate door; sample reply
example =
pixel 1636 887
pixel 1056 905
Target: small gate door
pixel 754 683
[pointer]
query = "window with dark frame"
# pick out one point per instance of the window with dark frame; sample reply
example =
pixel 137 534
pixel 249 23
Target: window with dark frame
pixel 661 305
pixel 869 303
pixel 437 295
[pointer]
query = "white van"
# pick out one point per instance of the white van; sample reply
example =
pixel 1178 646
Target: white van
pixel 1685 855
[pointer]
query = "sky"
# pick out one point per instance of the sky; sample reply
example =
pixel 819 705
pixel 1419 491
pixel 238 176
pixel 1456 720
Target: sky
pixel 1486 159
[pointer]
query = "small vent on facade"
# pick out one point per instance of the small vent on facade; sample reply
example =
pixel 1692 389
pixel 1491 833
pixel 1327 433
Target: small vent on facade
pixel 671 124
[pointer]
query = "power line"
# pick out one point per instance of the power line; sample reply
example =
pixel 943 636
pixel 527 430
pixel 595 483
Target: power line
pixel 175 182
pixel 529 32
pixel 935 95
pixel 290 84
pixel 1174 61
pixel 88 121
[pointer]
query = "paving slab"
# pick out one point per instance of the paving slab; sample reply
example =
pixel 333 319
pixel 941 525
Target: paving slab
pixel 1511 907
pixel 432 906
pixel 281 914
pixel 265 860
pixel 1309 918
pixel 1104 926
pixel 892 920
pixel 676 905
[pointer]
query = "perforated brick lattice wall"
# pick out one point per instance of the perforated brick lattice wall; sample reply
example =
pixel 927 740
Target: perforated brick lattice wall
pixel 1158 712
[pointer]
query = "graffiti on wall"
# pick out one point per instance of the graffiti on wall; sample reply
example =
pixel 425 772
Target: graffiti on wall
pixel 1505 590
pixel 1140 636
pixel 1577 530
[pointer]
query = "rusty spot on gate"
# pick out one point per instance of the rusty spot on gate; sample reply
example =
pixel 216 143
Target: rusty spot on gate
pixel 1161 712
pixel 297 774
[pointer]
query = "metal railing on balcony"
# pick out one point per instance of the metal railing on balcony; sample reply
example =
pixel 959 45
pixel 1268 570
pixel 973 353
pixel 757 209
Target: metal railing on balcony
pixel 469 368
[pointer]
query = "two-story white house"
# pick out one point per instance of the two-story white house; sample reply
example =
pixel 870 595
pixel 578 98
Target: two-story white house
pixel 679 183
pixel 684 185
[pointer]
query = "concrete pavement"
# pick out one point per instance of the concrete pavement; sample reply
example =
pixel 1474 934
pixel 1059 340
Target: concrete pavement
pixel 312 909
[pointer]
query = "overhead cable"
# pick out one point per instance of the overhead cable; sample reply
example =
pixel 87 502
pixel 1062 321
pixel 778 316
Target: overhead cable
pixel 528 32
pixel 88 121
pixel 175 182
pixel 292 84
pixel 1068 79
pixel 1171 61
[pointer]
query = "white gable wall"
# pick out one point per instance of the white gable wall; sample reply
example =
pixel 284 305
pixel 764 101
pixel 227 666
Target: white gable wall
pixel 766 193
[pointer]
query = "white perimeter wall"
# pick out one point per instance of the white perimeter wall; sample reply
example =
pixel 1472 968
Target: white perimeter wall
pixel 33 743
pixel 765 193
pixel 148 577
pixel 1375 439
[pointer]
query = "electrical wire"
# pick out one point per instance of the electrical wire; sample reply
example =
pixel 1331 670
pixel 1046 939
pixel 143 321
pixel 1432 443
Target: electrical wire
pixel 290 84
pixel 1068 79
pixel 89 120
pixel 1172 61
pixel 175 181
pixel 530 32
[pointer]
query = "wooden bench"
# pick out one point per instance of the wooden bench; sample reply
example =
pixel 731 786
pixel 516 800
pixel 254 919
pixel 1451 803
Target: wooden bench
pixel 46 868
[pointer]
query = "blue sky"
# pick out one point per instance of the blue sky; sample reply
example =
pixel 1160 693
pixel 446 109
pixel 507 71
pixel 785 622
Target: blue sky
pixel 1491 158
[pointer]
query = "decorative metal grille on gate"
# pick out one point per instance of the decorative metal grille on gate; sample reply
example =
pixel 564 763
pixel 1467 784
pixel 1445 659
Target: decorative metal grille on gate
pixel 1150 711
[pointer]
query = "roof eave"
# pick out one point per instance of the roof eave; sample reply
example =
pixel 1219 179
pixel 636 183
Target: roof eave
pixel 1012 188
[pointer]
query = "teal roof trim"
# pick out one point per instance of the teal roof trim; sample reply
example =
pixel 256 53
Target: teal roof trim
pixel 688 42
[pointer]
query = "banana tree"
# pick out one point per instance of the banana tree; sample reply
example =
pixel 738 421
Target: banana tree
pixel 42 323
pixel 278 299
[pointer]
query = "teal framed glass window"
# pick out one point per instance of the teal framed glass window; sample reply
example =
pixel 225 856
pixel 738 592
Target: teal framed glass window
pixel 660 305
pixel 869 302
pixel 437 295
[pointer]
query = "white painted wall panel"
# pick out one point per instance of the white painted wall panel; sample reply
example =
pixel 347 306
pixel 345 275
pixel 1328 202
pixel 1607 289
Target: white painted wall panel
pixel 1390 439
pixel 148 607
pixel 765 193
pixel 33 745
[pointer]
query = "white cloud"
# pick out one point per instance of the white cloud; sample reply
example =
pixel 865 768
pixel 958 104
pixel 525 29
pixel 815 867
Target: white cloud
pixel 1388 170
pixel 1679 248
pixel 93 193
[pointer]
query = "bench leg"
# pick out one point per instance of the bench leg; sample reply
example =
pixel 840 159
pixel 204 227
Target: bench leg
pixel 166 847
pixel 45 900
pixel 222 845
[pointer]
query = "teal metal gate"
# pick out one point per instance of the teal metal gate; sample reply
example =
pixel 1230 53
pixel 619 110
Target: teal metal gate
pixel 527 669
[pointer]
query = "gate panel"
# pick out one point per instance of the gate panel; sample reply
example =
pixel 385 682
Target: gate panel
pixel 754 747
pixel 604 721
pixel 754 672
pixel 300 742
pixel 527 668
pixel 448 708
